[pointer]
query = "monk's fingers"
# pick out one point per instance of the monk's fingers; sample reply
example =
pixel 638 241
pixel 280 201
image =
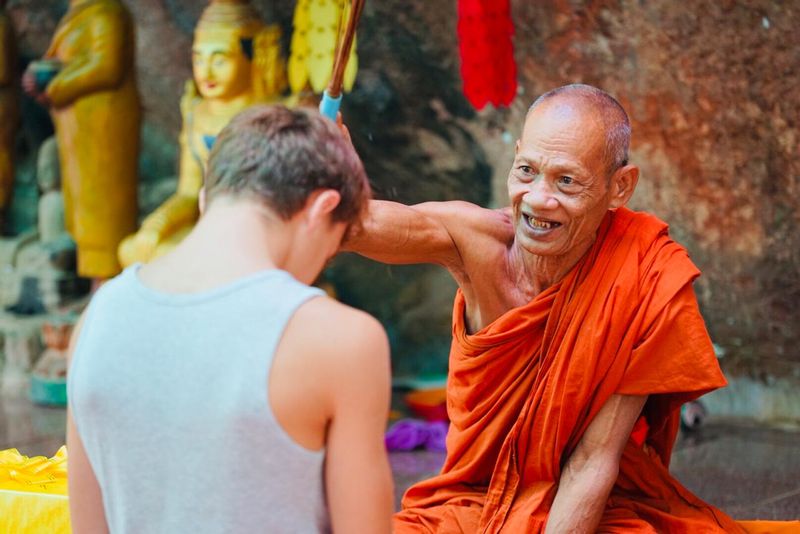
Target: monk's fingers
pixel 342 127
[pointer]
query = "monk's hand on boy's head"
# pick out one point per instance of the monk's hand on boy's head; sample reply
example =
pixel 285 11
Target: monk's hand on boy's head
pixel 342 127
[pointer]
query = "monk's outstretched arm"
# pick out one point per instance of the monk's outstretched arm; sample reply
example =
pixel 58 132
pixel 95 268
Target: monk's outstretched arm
pixel 395 233
pixel 592 469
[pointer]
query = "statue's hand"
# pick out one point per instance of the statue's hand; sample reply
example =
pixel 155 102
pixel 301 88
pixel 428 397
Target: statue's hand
pixel 29 86
pixel 145 244
pixel 29 83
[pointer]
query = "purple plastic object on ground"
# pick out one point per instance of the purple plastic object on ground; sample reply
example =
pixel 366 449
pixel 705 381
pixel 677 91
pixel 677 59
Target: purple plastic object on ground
pixel 409 434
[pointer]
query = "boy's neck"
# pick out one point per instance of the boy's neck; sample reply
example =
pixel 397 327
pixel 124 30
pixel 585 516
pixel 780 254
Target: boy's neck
pixel 230 241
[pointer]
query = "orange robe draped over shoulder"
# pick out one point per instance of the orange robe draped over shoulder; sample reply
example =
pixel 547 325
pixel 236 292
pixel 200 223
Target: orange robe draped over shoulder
pixel 523 390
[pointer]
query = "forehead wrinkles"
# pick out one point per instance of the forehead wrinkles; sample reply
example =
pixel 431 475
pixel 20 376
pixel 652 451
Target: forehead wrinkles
pixel 563 133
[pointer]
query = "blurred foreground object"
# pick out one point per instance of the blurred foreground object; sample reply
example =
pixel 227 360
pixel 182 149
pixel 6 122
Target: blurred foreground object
pixel 33 493
pixel 236 62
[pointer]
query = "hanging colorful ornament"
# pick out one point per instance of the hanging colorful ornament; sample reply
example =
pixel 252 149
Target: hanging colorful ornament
pixel 488 69
pixel 317 25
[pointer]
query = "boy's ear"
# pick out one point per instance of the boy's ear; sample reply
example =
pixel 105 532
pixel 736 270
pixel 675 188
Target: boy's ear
pixel 322 203
pixel 201 200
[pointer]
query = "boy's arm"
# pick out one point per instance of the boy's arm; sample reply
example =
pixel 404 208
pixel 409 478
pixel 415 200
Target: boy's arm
pixel 358 479
pixel 85 499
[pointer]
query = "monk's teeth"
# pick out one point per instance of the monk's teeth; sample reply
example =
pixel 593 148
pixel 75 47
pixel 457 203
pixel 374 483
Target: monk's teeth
pixel 537 223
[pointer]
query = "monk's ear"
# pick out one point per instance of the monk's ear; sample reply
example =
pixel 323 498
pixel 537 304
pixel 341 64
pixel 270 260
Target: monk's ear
pixel 623 183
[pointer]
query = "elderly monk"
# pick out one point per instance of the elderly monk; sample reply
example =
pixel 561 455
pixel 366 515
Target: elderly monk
pixel 576 338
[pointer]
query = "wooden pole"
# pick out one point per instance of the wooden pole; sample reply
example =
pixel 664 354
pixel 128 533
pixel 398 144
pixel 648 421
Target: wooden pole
pixel 343 52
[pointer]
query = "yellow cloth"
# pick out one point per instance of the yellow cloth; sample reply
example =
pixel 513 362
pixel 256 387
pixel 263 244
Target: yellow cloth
pixel 33 493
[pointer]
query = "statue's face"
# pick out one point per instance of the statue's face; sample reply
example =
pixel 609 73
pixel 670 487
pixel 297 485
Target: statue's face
pixel 221 70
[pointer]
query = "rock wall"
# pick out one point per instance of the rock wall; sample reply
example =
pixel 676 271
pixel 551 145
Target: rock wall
pixel 711 90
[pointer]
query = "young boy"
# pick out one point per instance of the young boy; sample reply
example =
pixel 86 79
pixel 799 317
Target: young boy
pixel 213 390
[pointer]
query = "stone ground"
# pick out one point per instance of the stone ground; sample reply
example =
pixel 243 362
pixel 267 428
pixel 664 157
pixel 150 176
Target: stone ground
pixel 751 472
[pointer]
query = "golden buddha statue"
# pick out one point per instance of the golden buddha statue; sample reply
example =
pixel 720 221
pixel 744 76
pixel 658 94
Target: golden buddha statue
pixel 95 108
pixel 9 109
pixel 236 62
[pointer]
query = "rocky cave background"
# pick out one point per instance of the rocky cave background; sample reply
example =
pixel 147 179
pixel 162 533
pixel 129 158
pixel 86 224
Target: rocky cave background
pixel 711 88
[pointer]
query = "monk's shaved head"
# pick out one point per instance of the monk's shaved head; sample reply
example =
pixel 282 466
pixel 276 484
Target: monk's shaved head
pixel 602 108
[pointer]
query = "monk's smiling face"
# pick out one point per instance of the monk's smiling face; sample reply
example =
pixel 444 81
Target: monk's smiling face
pixel 560 184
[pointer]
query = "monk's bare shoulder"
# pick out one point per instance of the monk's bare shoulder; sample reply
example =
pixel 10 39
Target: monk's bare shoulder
pixel 473 221
pixel 482 236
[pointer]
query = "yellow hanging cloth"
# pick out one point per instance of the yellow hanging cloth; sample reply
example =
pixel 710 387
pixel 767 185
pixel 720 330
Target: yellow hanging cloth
pixel 313 48
pixel 33 493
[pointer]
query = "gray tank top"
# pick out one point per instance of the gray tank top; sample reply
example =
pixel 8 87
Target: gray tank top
pixel 169 395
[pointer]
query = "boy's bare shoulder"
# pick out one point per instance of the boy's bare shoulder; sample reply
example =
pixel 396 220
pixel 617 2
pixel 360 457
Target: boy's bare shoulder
pixel 331 329
pixel 344 352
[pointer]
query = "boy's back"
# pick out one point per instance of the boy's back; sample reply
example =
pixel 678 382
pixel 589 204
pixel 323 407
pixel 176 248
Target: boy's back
pixel 174 388
pixel 213 390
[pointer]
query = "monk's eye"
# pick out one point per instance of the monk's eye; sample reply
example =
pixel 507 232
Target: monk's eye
pixel 566 180
pixel 525 169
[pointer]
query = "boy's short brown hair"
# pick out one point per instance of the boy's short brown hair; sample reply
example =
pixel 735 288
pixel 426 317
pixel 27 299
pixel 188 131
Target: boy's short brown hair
pixel 281 156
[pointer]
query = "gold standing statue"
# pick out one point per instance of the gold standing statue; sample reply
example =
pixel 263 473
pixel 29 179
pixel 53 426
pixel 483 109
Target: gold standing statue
pixel 236 62
pixel 9 110
pixel 95 107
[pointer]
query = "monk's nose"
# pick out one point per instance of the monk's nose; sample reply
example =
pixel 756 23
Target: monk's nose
pixel 539 196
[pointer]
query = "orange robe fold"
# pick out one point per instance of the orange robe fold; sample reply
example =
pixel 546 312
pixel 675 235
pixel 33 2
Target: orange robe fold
pixel 523 390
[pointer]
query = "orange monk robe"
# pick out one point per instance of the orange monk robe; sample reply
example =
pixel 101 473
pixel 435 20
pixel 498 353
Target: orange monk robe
pixel 523 390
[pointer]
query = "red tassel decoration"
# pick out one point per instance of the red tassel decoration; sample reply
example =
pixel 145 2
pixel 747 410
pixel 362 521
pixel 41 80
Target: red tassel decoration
pixel 488 68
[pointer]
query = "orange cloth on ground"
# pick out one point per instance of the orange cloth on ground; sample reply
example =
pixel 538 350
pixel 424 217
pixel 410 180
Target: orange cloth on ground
pixel 523 390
